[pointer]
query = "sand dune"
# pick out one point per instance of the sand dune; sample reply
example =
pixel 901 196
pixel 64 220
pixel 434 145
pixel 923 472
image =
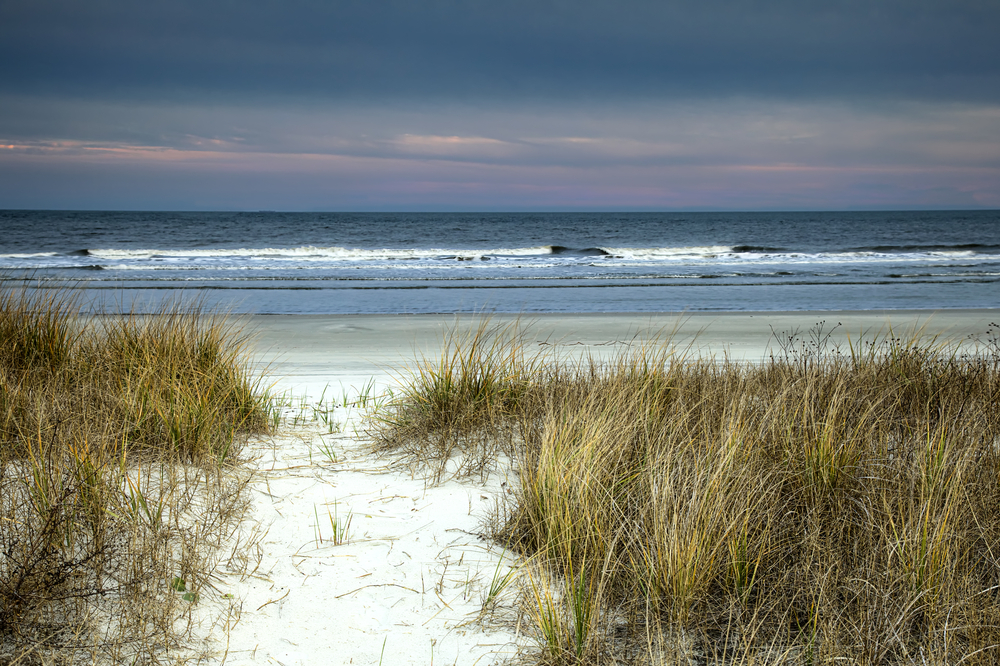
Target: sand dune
pixel 407 582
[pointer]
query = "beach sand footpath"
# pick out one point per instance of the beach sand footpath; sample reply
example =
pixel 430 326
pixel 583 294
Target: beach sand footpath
pixel 359 558
pixel 363 562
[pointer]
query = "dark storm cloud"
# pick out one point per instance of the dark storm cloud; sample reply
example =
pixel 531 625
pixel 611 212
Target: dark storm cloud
pixel 916 49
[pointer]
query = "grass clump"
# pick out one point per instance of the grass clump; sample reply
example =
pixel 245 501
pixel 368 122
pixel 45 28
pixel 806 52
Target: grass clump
pixel 461 405
pixel 119 444
pixel 824 506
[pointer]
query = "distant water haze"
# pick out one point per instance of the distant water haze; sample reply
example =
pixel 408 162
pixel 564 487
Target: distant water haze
pixel 344 263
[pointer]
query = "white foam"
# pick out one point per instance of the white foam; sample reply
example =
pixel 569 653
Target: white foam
pixel 312 252
pixel 498 262
pixel 693 252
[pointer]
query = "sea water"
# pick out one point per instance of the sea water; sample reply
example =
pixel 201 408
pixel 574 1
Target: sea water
pixel 317 263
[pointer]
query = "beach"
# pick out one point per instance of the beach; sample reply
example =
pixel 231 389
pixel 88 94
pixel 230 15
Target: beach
pixel 405 580
pixel 309 352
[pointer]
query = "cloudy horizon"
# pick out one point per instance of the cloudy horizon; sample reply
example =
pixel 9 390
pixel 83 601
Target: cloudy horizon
pixel 765 105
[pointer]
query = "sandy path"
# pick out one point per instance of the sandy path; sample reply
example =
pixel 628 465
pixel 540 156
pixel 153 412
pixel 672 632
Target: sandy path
pixel 409 571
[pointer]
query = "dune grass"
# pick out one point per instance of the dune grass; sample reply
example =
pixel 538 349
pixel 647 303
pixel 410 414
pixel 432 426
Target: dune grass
pixel 461 406
pixel 119 453
pixel 825 506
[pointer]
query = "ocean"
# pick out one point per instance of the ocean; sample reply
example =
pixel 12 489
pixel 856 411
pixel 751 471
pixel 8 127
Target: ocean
pixel 347 263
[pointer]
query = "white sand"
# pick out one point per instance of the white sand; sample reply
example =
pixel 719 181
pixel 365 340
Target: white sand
pixel 412 573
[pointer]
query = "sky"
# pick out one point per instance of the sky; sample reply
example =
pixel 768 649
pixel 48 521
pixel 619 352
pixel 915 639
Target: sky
pixel 440 105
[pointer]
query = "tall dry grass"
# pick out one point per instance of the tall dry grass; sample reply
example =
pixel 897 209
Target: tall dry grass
pixel 460 406
pixel 826 506
pixel 119 438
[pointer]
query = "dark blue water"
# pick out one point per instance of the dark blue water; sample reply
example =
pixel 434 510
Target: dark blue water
pixel 553 262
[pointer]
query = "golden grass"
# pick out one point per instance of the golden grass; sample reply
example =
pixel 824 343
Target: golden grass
pixel 119 440
pixel 823 507
pixel 468 394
